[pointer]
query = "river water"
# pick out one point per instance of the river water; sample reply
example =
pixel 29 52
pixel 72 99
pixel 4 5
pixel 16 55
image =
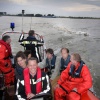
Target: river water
pixel 63 32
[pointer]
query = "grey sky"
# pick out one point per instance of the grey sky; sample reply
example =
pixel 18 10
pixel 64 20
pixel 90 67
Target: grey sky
pixel 87 8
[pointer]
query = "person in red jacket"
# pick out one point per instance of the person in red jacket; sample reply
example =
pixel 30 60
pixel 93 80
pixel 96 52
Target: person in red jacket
pixel 5 62
pixel 74 81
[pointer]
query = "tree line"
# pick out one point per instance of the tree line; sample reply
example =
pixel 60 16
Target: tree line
pixel 36 15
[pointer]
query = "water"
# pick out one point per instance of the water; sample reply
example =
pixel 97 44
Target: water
pixel 64 32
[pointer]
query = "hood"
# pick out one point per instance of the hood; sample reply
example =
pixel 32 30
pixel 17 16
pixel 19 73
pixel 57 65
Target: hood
pixel 31 37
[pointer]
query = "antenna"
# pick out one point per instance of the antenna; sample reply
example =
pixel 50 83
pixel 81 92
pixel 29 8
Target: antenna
pixel 22 19
pixel 31 23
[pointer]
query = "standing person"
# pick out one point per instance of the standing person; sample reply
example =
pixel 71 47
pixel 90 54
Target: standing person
pixel 31 43
pixel 35 82
pixel 74 81
pixel 5 62
pixel 51 63
pixel 65 59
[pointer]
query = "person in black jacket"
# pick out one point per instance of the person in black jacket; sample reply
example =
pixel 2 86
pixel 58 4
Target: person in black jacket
pixel 35 82
pixel 31 43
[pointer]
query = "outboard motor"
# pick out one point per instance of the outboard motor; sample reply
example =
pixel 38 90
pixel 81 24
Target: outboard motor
pixel 12 26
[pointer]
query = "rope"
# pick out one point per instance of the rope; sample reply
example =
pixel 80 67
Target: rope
pixel 31 23
pixel 22 22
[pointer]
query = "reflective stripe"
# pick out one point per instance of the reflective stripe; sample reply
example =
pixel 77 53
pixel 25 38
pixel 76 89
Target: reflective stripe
pixel 18 95
pixel 17 87
pixel 44 46
pixel 37 53
pixel 33 80
pixel 31 42
pixel 38 80
pixel 48 86
pixel 22 82
pixel 40 43
pixel 21 37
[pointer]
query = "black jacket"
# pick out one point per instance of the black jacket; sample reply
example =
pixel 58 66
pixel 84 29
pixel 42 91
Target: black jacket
pixel 46 88
pixel 31 46
pixel 19 72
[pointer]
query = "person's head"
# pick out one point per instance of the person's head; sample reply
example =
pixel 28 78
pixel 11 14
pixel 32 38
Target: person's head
pixel 6 39
pixel 75 58
pixel 49 53
pixel 32 64
pixel 28 53
pixel 64 53
pixel 31 33
pixel 20 59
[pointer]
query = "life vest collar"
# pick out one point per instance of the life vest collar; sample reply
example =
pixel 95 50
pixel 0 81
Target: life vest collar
pixel 64 63
pixel 76 73
pixel 51 63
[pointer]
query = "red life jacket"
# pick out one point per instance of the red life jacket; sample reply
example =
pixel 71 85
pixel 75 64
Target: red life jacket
pixel 27 81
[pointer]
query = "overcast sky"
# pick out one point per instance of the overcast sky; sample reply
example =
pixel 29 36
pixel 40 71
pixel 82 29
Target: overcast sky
pixel 87 8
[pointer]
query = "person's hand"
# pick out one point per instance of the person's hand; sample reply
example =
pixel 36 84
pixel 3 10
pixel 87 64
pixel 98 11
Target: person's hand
pixel 30 95
pixel 23 32
pixel 57 86
pixel 75 89
pixel 50 80
pixel 41 37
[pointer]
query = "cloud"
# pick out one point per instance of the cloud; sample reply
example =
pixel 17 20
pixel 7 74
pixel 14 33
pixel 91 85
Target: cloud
pixel 57 7
pixel 19 2
pixel 80 8
pixel 93 0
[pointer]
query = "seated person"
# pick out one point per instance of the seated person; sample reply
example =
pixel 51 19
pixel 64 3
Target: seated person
pixel 5 62
pixel 65 59
pixel 51 63
pixel 31 43
pixel 35 82
pixel 20 60
pixel 74 81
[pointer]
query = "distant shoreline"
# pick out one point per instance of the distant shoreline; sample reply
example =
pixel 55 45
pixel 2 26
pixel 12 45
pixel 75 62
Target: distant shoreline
pixel 56 17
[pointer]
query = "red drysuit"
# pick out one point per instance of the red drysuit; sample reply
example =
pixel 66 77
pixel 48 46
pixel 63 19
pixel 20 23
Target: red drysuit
pixel 67 83
pixel 5 63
